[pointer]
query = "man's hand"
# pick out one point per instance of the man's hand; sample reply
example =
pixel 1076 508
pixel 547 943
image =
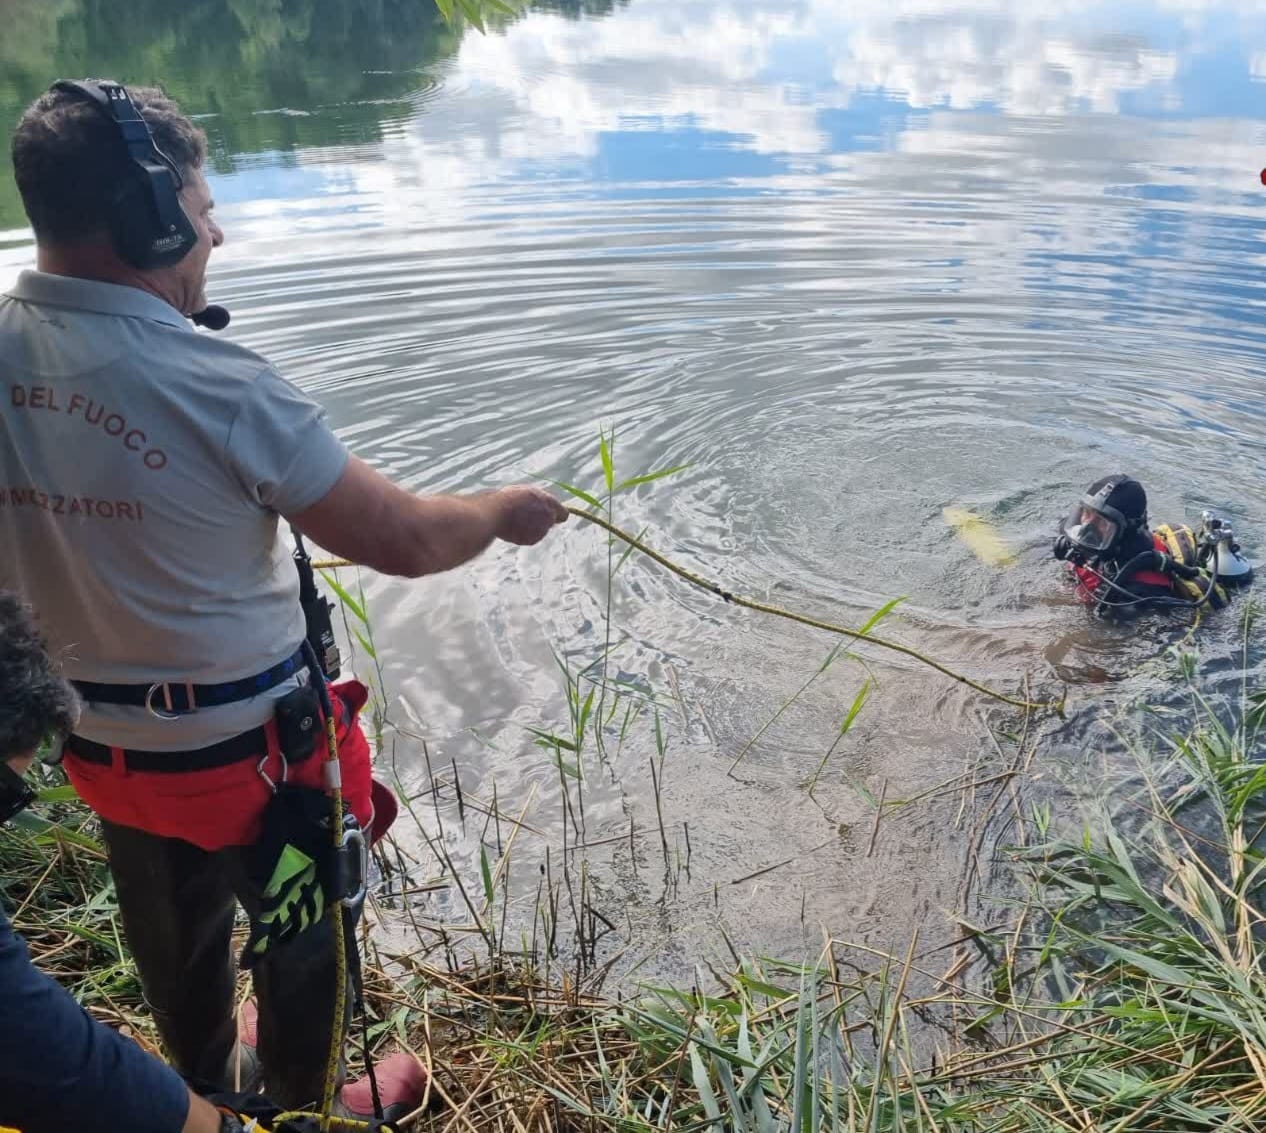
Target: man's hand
pixel 204 1117
pixel 369 520
pixel 527 514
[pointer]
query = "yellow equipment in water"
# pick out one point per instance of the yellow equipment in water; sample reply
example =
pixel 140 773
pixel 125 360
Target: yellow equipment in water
pixel 980 536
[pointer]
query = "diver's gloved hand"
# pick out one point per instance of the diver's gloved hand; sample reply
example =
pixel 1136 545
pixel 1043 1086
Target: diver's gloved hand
pixel 1066 552
pixel 1169 565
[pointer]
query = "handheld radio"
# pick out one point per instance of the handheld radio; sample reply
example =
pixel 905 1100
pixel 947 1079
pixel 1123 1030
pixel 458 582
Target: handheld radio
pixel 317 612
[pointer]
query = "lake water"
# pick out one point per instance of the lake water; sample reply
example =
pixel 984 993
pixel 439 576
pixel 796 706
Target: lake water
pixel 852 263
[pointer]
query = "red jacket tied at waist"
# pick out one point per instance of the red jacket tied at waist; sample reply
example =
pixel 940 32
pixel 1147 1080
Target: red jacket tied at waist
pixel 223 806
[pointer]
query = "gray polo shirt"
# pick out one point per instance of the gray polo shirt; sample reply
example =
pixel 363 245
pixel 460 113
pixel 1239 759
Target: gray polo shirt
pixel 143 469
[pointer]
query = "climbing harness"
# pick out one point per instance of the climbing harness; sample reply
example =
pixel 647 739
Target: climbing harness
pixel 790 615
pixel 169 700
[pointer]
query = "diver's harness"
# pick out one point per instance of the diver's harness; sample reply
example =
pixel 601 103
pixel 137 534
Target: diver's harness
pixel 1201 565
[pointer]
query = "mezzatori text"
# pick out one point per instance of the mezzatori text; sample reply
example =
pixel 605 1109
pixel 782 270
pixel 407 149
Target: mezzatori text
pixel 77 507
pixel 92 413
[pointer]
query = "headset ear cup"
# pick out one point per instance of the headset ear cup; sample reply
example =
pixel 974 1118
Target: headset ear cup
pixel 131 223
pixel 135 226
pixel 148 224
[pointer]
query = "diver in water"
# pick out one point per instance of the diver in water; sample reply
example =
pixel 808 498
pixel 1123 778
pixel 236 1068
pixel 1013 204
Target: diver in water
pixel 1122 567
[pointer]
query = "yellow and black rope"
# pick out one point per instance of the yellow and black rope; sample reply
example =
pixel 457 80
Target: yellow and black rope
pixel 790 615
pixel 330 1123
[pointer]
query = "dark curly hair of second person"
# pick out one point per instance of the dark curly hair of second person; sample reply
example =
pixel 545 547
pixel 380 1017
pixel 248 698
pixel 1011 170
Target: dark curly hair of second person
pixel 35 700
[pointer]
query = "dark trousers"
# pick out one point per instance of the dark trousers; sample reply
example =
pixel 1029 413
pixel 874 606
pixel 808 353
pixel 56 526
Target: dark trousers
pixel 178 904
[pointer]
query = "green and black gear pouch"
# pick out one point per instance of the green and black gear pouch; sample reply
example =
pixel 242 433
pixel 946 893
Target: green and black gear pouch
pixel 298 869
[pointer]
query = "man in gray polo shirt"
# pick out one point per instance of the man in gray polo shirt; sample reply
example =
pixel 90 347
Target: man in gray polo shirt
pixel 144 468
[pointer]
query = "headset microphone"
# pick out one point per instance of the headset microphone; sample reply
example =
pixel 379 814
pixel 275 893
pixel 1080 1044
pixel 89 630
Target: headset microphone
pixel 213 317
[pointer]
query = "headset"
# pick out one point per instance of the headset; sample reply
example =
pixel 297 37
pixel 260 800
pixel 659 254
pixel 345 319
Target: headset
pixel 149 226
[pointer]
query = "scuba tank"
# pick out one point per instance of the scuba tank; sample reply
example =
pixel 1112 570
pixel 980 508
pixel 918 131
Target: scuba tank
pixel 1218 552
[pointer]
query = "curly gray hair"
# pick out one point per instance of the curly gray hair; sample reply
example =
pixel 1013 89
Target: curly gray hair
pixel 35 701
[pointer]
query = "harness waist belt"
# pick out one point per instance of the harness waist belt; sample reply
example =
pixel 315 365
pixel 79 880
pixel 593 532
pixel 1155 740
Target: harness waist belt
pixel 232 750
pixel 175 697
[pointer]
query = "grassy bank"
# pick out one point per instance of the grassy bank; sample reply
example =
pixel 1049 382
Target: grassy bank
pixel 1126 991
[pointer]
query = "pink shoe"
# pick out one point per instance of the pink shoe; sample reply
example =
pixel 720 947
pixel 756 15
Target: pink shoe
pixel 248 1024
pixel 243 1073
pixel 401 1088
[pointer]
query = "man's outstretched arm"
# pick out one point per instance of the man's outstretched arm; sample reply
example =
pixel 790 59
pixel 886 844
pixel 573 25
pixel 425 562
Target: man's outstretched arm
pixel 369 520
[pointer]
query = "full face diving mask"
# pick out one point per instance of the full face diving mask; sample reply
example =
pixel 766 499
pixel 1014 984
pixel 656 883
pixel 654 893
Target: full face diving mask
pixel 1095 527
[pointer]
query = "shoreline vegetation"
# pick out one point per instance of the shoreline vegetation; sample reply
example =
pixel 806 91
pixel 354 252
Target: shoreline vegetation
pixel 1125 988
pixel 1118 985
